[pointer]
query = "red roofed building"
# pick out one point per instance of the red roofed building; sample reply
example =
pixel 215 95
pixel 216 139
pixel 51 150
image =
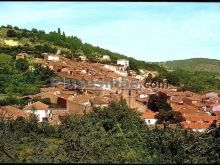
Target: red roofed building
pixel 40 109
pixel 200 127
pixel 10 112
pixel 149 118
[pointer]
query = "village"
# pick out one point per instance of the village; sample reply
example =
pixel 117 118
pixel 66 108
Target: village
pixel 81 85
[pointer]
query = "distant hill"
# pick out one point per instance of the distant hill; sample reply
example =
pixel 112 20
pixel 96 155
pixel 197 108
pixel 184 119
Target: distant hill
pixel 193 64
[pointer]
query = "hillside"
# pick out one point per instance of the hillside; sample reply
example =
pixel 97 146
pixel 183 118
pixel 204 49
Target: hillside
pixel 194 64
pixel 13 40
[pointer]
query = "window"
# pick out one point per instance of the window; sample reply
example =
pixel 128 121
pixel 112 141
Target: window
pixel 148 121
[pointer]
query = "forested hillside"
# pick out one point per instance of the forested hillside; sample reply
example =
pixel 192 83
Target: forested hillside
pixel 36 42
pixel 194 64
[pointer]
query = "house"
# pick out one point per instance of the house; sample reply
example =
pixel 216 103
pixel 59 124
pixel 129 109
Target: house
pixel 105 57
pixel 149 118
pixel 40 109
pixel 21 56
pixel 50 93
pixel 57 116
pixel 192 98
pixel 195 119
pixel 82 58
pixel 216 108
pixel 200 127
pixel 62 99
pixel 212 94
pixel 53 58
pixel 104 85
pixel 100 101
pixel 79 104
pixel 119 69
pixel 143 95
pixel 139 77
pixel 10 112
pixel 176 99
pixel 123 62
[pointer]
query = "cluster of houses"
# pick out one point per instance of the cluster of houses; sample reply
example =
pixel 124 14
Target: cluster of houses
pixel 199 110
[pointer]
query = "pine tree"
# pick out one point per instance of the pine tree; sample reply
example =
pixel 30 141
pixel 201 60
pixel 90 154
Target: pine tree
pixel 59 31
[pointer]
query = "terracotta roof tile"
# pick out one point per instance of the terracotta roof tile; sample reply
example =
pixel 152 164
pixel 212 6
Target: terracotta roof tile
pixel 148 115
pixel 10 111
pixel 196 125
pixel 37 105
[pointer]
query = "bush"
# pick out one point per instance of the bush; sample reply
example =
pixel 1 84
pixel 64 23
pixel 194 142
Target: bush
pixel 11 33
pixel 21 65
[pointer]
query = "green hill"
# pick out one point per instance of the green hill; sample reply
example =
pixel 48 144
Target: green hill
pixel 14 40
pixel 194 64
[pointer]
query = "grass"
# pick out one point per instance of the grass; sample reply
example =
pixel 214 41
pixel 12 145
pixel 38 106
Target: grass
pixel 11 42
pixel 3 32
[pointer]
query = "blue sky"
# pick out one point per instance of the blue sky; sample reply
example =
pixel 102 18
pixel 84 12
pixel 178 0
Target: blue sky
pixel 143 30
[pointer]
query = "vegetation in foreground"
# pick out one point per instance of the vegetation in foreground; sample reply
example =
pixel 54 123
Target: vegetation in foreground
pixel 114 134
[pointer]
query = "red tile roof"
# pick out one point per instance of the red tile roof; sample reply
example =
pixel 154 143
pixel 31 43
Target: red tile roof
pixel 196 125
pixel 148 115
pixel 206 118
pixel 10 111
pixel 37 105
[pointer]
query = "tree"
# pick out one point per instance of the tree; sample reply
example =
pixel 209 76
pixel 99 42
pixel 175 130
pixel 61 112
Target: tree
pixel 214 129
pixel 158 102
pixel 64 34
pixel 44 73
pixel 16 28
pixel 21 65
pixel 148 79
pixel 11 33
pixel 173 78
pixel 59 31
pixel 9 26
pixel 172 116
pixel 34 30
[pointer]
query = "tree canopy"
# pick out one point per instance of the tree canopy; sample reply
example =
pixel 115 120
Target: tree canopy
pixel 113 134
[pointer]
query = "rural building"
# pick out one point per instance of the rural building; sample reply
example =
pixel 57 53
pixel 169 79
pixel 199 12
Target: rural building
pixel 123 62
pixel 105 57
pixel 21 56
pixel 149 118
pixel 53 58
pixel 10 112
pixel 40 109
pixel 82 58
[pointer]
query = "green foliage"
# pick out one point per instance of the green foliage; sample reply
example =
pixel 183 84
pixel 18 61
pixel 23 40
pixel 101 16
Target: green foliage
pixel 172 117
pixel 4 58
pixel 44 73
pixel 114 134
pixel 11 33
pixel 19 80
pixel 21 65
pixel 71 45
pixel 158 102
pixel 199 81
pixel 9 100
pixel 195 64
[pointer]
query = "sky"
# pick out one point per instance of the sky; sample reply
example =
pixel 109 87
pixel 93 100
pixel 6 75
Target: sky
pixel 149 31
